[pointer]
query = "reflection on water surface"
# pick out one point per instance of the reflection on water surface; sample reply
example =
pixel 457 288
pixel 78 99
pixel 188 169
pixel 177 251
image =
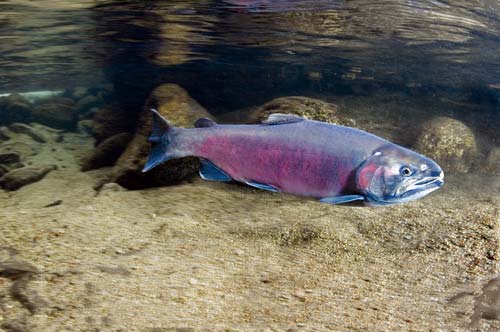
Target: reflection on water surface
pixel 431 43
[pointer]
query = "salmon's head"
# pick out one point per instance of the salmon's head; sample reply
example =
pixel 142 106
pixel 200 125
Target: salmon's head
pixel 393 175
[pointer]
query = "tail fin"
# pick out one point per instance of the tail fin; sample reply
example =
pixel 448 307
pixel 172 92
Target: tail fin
pixel 159 143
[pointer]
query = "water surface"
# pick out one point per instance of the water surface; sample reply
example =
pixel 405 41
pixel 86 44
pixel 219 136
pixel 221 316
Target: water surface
pixel 233 53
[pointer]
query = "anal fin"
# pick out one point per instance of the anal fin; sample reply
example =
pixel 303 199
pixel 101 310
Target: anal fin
pixel 262 186
pixel 342 199
pixel 208 171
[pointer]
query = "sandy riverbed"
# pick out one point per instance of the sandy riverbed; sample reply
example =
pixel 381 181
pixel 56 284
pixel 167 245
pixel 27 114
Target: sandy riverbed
pixel 204 256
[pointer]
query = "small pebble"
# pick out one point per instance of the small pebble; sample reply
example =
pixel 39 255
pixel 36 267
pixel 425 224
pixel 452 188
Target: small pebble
pixel 300 295
pixel 407 237
pixel 239 252
pixel 265 279
pixel 112 186
pixel 54 203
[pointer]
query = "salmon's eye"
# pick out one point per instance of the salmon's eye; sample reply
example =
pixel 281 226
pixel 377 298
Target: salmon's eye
pixel 405 171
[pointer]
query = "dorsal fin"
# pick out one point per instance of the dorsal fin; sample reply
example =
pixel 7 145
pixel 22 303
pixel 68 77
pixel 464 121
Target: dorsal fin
pixel 204 122
pixel 279 118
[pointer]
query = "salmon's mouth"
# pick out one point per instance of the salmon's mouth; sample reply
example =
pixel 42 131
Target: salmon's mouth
pixel 421 187
pixel 410 191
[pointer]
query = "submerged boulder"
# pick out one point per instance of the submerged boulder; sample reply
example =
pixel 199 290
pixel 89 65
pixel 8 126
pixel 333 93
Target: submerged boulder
pixel 21 128
pixel 110 121
pixel 47 134
pixel 85 126
pixel 15 108
pixel 20 177
pixel 24 149
pixel 4 134
pixel 449 142
pixel 56 112
pixel 88 102
pixel 3 170
pixel 9 157
pixel 107 152
pixel 175 104
pixel 78 92
pixel 9 161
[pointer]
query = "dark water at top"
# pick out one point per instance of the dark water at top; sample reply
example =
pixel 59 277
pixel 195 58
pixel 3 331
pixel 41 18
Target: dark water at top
pixel 234 53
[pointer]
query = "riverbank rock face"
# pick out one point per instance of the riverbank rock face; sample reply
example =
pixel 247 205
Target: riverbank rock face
pixel 20 177
pixel 449 142
pixel 175 104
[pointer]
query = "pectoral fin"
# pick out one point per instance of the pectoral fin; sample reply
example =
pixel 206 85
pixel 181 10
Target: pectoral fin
pixel 210 172
pixel 342 199
pixel 262 186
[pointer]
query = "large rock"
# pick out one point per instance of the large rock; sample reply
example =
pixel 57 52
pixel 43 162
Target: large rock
pixel 78 92
pixel 175 104
pixel 15 108
pixel 110 121
pixel 85 126
pixel 3 170
pixel 4 134
pixel 20 177
pixel 107 152
pixel 24 149
pixel 9 161
pixel 449 142
pixel 21 128
pixel 9 157
pixel 56 112
pixel 88 102
pixel 46 133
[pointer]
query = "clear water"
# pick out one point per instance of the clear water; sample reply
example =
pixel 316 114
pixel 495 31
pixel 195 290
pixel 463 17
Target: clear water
pixel 233 54
pixel 216 49
pixel 390 66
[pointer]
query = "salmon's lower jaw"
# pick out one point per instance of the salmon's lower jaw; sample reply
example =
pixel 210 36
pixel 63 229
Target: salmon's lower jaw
pixel 413 192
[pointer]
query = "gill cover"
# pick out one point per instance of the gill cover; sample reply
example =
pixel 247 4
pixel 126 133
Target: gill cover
pixel 370 178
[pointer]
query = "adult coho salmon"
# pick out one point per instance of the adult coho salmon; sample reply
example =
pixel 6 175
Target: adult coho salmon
pixel 288 153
